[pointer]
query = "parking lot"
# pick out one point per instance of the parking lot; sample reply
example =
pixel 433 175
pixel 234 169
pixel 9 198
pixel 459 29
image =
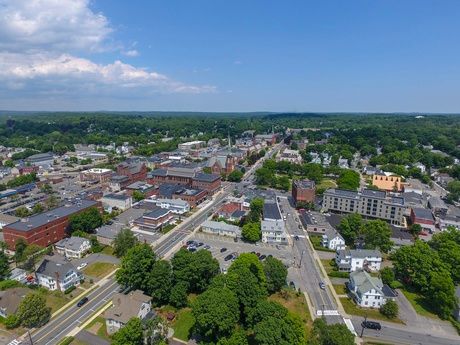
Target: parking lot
pixel 216 244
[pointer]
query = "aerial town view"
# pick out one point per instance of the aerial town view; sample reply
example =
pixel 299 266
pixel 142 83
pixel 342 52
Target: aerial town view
pixel 229 172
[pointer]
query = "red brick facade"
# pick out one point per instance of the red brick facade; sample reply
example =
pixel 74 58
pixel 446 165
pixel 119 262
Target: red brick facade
pixel 303 191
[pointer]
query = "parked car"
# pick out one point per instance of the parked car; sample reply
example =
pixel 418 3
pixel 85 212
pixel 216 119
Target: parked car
pixel 322 285
pixel 82 265
pixel 82 301
pixel 228 257
pixel 207 247
pixel 296 237
pixel 372 325
pixel 262 257
pixel 223 250
pixel 291 284
pixel 200 244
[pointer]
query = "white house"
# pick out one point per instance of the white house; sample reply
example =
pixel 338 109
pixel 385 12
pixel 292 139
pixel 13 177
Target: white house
pixel 177 206
pixel 366 291
pixel 119 201
pixel 331 239
pixel 56 276
pixel 73 247
pixel 124 307
pixel 350 260
pixel 273 231
pixel 221 228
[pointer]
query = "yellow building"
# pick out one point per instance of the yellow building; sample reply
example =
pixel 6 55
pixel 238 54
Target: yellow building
pixel 387 182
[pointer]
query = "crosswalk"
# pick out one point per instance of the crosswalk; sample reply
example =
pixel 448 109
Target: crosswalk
pixel 15 342
pixel 327 313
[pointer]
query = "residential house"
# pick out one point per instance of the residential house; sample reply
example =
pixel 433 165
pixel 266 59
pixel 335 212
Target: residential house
pixel 367 291
pixel 221 228
pixel 331 239
pixel 273 231
pixel 19 275
pixel 73 247
pixel 350 260
pixel 57 276
pixel 10 300
pixel 314 222
pixel 125 307
pixel 449 220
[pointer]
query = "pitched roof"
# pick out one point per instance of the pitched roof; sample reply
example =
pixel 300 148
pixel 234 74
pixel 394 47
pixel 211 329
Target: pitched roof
pixel 271 210
pixel 364 282
pixel 423 213
pixel 72 243
pixel 124 307
pixel 206 177
pixel 51 268
pixel 272 226
pixel 11 298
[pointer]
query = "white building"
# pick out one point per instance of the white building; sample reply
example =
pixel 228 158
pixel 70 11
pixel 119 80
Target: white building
pixel 331 239
pixel 19 275
pixel 273 231
pixel 366 291
pixel 350 260
pixel 73 247
pixel 192 145
pixel 177 206
pixel 56 276
pixel 124 307
pixel 118 201
pixel 449 220
pixel 221 228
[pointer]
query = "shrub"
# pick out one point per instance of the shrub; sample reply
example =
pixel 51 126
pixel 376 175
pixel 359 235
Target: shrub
pixel 12 321
pixel 390 309
pixel 8 284
pixel 70 289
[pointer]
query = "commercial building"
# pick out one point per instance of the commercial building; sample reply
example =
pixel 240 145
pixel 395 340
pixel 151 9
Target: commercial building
pixel 192 145
pixel 128 173
pixel 155 219
pixel 423 217
pixel 194 197
pixel 142 187
pixel 45 228
pixel 220 228
pixel 303 191
pixel 368 203
pixel 174 205
pixel 116 201
pixel 291 156
pixel 42 160
pixel 387 182
pixel 96 175
pixel 449 220
pixel 125 307
pixel 208 182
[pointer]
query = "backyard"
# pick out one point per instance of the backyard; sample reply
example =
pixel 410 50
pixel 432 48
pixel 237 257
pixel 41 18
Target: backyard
pixel 99 269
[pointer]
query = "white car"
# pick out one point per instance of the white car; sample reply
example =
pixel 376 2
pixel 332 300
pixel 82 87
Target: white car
pixel 82 265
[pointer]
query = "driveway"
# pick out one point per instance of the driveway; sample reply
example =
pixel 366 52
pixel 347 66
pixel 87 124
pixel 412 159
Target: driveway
pixel 89 338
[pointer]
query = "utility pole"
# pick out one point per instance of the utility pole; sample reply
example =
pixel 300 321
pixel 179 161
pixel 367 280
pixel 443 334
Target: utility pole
pixel 362 325
pixel 30 337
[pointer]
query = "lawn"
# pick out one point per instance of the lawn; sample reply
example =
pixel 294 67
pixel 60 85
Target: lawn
pixel 108 250
pixel 167 228
pixel 97 326
pixel 419 304
pixel 340 289
pixel 99 269
pixel 296 304
pixel 183 324
pixel 331 269
pixel 351 308
pixel 316 241
pixel 326 183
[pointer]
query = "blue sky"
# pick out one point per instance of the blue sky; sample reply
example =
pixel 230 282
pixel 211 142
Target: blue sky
pixel 382 56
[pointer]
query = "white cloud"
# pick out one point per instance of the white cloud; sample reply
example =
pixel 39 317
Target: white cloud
pixel 40 41
pixel 131 53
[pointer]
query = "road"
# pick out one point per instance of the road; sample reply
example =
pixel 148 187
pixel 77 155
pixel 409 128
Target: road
pixel 308 270
pixel 59 326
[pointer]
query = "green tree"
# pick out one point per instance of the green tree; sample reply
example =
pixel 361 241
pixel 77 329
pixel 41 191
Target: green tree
pixel 387 275
pixel 256 209
pixel 246 278
pixel 251 232
pixel 348 179
pixel 235 176
pixel 178 295
pixel 51 202
pixel 275 273
pixel 129 334
pixel 124 240
pixel 216 313
pixel 19 249
pixel 336 334
pixel 160 282
pixel 9 163
pixel 38 208
pixel 238 337
pixel 350 226
pixel 47 189
pixel 415 230
pixel 32 311
pixel 376 234
pixel 87 220
pixel 441 292
pixel 390 309
pixel 138 196
pixel 286 331
pixel 21 212
pixel 4 266
pixel 265 309
pixel 136 266
pixel 447 245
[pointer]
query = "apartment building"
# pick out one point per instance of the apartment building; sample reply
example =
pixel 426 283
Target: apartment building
pixel 367 202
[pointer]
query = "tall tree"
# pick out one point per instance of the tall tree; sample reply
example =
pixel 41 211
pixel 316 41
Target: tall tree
pixel 336 334
pixel 275 273
pixel 87 220
pixel 376 234
pixel 129 334
pixel 286 331
pixel 350 226
pixel 136 266
pixel 216 313
pixel 4 266
pixel 32 311
pixel 441 292
pixel 160 282
pixel 251 232
pixel 124 240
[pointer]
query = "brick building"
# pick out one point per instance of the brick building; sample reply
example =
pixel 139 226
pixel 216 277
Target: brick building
pixel 208 182
pixel 95 174
pixel 193 196
pixel 155 219
pixel 303 191
pixel 45 228
pixel 423 217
